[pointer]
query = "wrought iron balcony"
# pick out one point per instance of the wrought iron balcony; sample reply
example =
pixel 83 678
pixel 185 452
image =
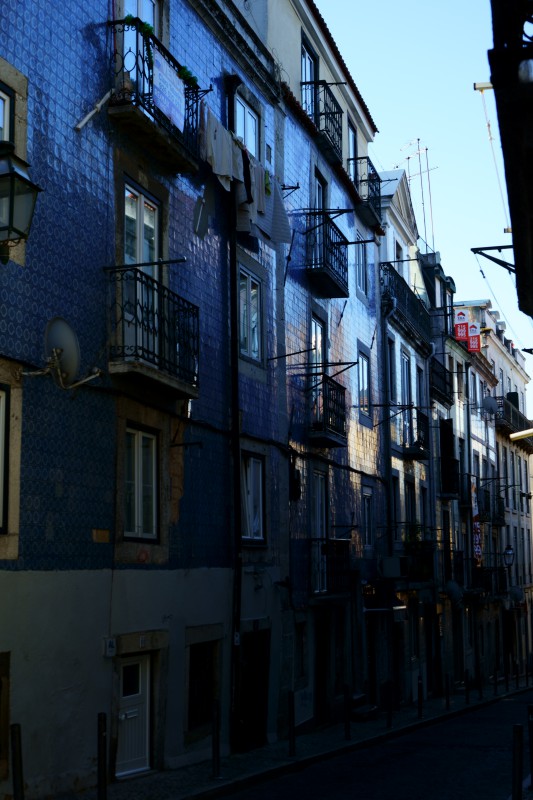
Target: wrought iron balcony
pixel 326 255
pixel 330 566
pixel 509 419
pixel 154 99
pixel 441 383
pixel 154 332
pixel 328 412
pixel 415 435
pixel 368 184
pixel 320 104
pixel 409 310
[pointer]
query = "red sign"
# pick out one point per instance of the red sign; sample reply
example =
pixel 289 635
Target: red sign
pixel 474 338
pixel 461 325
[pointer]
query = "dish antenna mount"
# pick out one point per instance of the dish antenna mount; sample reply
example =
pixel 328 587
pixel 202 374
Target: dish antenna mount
pixel 62 352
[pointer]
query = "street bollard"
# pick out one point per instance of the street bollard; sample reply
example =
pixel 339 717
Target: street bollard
pixel 420 697
pixel 16 760
pixel 347 713
pixel 292 726
pixel 518 737
pixel 215 739
pixel 101 744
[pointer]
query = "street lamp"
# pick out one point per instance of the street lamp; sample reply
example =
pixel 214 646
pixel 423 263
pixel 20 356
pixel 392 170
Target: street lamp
pixel 18 195
pixel 508 556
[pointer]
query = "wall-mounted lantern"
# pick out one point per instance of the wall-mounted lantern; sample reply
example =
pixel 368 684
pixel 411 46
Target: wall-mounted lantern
pixel 18 195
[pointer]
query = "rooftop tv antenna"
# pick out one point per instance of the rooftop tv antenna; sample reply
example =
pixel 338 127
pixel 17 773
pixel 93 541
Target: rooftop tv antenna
pixel 62 352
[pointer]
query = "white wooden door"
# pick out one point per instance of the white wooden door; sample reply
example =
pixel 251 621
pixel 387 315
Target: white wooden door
pixel 133 750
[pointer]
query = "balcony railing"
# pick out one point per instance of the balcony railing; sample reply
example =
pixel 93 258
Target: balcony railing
pixel 368 184
pixel 153 97
pixel 326 255
pixel 441 382
pixel 409 310
pixel 328 412
pixel 320 104
pixel 415 434
pixel 510 420
pixel 153 331
pixel 330 566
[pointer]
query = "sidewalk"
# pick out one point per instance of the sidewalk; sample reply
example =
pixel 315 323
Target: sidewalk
pixel 244 769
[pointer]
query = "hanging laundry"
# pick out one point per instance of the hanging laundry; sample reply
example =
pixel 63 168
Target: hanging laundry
pixel 219 149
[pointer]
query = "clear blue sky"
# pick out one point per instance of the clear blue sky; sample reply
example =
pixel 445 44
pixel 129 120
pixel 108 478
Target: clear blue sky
pixel 415 63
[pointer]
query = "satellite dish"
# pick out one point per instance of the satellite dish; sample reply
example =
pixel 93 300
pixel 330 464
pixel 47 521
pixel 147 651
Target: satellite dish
pixel 62 351
pixel 490 404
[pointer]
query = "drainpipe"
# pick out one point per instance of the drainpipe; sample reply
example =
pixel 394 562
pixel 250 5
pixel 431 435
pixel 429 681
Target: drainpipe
pixel 232 82
pixel 388 306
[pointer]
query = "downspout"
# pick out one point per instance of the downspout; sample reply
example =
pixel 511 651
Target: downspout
pixel 232 82
pixel 388 306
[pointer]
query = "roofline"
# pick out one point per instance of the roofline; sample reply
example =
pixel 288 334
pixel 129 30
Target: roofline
pixel 332 43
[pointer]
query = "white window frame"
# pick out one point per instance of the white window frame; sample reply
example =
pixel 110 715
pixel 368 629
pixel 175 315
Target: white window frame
pixel 247 125
pixel 250 333
pixel 363 388
pixel 6 134
pixel 308 74
pixel 143 204
pixel 139 486
pixel 352 152
pixel 253 497
pixel 361 266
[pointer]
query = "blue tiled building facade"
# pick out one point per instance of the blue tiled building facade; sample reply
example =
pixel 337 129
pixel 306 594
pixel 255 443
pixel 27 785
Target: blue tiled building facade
pixel 196 518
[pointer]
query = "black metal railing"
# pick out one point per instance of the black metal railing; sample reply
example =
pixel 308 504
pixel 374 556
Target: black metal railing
pixel 151 324
pixel 148 76
pixel 441 382
pixel 320 104
pixel 326 250
pixel 328 411
pixel 409 306
pixel 367 182
pixel 330 565
pixel 509 419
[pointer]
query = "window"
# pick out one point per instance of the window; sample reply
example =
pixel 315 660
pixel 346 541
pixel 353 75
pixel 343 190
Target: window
pixel 316 363
pixel 352 152
pixel 406 399
pixel 473 393
pixel 135 49
pixel 391 369
pixel 367 518
pixel 361 267
pixel 4 455
pixel 319 256
pixel 141 240
pixel 319 562
pixel 252 497
pixel 364 384
pixel 309 77
pixel 140 496
pixel 247 125
pixel 7 113
pixel 249 315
